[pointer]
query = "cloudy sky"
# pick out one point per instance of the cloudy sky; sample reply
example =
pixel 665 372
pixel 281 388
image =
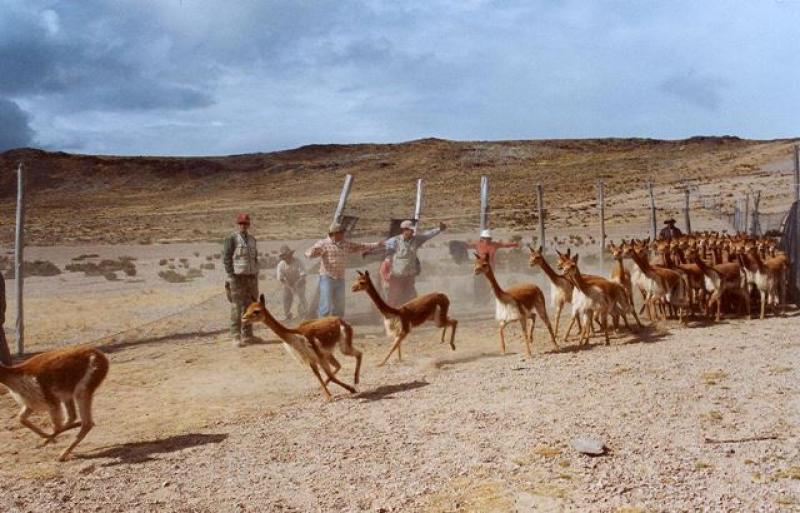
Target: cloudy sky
pixel 199 77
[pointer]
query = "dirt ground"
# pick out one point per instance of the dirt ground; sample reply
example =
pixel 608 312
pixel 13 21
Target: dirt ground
pixel 697 418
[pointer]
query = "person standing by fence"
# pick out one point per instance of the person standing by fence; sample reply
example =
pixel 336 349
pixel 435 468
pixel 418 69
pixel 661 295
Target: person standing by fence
pixel 405 262
pixel 292 277
pixel 670 231
pixel 484 247
pixel 240 257
pixel 333 252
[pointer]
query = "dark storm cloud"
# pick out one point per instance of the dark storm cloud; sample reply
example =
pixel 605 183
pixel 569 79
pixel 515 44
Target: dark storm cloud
pixel 15 132
pixel 214 76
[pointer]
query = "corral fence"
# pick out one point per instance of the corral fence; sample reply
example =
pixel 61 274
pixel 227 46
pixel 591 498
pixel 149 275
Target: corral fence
pixel 585 225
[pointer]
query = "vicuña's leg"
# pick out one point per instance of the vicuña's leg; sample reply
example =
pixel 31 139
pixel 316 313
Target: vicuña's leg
pixel 523 320
pixel 346 347
pixel 84 402
pixel 397 340
pixel 335 363
pixel 325 390
pixel 559 307
pixel 502 337
pixel 453 324
pixel 23 419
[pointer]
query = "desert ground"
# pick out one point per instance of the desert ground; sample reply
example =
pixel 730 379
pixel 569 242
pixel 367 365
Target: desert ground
pixel 702 417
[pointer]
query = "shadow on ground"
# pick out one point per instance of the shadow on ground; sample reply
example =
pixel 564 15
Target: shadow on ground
pixel 386 391
pixel 140 452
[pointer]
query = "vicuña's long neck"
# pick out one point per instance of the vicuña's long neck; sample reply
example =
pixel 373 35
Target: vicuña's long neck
pixel 499 293
pixel 555 278
pixel 579 282
pixel 273 324
pixel 382 306
pixel 620 267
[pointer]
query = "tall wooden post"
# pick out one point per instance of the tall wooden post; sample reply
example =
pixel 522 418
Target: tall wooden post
pixel 19 263
pixel 540 207
pixel 348 184
pixel 5 354
pixel 484 203
pixel 747 212
pixel 418 205
pixel 653 222
pixel 797 174
pixel 601 200
pixel 687 220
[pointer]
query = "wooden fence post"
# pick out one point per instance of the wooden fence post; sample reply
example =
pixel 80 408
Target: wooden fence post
pixel 19 262
pixel 540 207
pixel 601 199
pixel 5 354
pixel 653 222
pixel 348 184
pixel 484 203
pixel 687 220
pixel 418 205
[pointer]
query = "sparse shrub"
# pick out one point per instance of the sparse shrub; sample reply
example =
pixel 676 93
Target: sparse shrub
pixel 172 276
pixel 208 267
pixel 35 268
pixel 208 258
pixel 193 273
pixel 162 262
pixel 124 264
pixel 185 262
pixel 84 257
pixel 110 276
pixel 217 256
pixel 171 267
pixel 196 254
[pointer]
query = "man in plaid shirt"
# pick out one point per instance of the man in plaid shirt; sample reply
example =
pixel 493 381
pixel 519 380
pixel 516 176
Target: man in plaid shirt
pixel 333 251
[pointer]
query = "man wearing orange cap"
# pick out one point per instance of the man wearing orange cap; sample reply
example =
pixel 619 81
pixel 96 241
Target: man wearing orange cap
pixel 240 257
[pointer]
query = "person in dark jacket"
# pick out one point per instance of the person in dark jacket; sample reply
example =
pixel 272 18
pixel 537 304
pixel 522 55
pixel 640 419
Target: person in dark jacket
pixel 670 231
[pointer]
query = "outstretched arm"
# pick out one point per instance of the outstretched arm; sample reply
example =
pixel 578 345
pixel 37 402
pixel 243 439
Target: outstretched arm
pixel 316 250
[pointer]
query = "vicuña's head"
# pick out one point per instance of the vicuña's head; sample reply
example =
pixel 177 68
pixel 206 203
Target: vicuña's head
pixel 362 281
pixel 569 265
pixel 536 256
pixel 563 257
pixel 617 251
pixel 256 312
pixel 481 264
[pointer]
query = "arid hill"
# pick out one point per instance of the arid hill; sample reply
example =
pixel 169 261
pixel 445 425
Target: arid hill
pixel 84 198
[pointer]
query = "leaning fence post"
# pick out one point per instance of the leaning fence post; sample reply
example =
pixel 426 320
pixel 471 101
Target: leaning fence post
pixel 755 222
pixel 418 204
pixel 540 207
pixel 601 199
pixel 653 226
pixel 747 212
pixel 484 202
pixel 19 263
pixel 348 184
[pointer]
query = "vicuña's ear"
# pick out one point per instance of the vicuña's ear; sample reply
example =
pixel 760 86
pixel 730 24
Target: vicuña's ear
pixel 540 248
pixel 359 273
pixel 366 273
pixel 575 258
pixel 261 299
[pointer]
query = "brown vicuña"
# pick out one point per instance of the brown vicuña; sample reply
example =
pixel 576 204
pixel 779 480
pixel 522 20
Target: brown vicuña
pixel 312 342
pixel 597 297
pixel 399 321
pixel 517 303
pixel 721 280
pixel 560 287
pixel 58 380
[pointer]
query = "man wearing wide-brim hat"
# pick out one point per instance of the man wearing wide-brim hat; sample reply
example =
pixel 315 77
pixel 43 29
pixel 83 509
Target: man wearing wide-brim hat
pixel 670 231
pixel 333 250
pixel 487 247
pixel 240 258
pixel 292 277
pixel 405 265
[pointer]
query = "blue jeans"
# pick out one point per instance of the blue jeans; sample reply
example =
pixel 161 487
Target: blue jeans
pixel 331 296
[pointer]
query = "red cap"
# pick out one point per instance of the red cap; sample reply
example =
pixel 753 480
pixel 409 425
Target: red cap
pixel 243 219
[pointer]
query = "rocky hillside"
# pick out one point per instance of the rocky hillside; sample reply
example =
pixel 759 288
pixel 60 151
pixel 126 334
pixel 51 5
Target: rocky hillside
pixel 86 198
